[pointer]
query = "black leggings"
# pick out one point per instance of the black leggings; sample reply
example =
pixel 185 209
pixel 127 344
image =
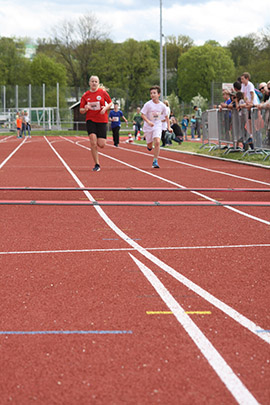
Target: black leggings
pixel 115 132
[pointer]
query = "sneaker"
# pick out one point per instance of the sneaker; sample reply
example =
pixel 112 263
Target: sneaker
pixel 155 164
pixel 149 149
pixel 96 168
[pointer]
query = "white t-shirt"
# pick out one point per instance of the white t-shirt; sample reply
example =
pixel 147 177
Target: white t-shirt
pixel 247 89
pixel 155 113
pixel 164 124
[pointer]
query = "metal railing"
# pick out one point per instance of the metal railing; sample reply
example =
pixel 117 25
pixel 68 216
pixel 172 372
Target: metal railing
pixel 232 130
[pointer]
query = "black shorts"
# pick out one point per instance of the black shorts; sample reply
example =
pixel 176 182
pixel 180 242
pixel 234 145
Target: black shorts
pixel 98 128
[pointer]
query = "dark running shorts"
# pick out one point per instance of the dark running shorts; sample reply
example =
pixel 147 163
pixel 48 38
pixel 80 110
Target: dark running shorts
pixel 98 128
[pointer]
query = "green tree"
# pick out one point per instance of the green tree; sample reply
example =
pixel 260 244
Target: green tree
pixel 138 67
pixel 14 67
pixel 201 65
pixel 244 50
pixel 46 70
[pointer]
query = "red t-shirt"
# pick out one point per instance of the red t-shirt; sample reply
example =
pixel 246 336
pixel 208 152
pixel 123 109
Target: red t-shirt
pixel 96 100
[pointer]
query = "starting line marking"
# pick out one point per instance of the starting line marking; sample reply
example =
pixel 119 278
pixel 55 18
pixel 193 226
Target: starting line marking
pixel 170 312
pixel 68 332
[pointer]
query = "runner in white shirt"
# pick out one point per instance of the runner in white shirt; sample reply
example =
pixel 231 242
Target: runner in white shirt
pixel 153 112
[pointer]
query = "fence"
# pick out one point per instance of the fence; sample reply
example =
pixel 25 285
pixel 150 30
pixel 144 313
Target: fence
pixel 227 129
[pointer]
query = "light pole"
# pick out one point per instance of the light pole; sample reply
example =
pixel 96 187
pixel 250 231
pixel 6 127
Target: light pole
pixel 165 68
pixel 161 55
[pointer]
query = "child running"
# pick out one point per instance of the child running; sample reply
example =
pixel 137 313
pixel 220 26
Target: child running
pixel 153 112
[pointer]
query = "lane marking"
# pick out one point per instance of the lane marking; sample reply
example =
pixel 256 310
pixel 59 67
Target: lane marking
pixel 179 185
pixel 170 312
pixel 67 332
pixel 199 167
pixel 26 252
pixel 12 153
pixel 241 319
pixel 216 361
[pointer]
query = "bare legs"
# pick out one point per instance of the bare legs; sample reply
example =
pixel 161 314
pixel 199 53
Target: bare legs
pixel 95 143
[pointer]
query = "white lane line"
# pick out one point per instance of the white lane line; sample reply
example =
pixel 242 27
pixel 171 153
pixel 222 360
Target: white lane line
pixel 199 167
pixel 237 211
pixel 29 252
pixel 12 153
pixel 6 138
pixel 216 361
pixel 242 320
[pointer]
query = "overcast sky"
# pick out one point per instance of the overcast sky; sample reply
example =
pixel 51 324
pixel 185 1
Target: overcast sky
pixel 202 20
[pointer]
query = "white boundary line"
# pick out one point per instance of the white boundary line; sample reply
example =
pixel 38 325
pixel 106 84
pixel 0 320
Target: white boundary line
pixel 241 319
pixel 237 211
pixel 12 153
pixel 233 383
pixel 198 167
pixel 29 252
pixel 216 361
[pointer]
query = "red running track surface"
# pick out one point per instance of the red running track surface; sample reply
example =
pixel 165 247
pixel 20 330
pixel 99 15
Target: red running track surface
pixel 132 304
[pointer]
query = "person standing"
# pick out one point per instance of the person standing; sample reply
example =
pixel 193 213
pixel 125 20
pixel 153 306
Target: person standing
pixel 19 125
pixel 164 123
pixel 95 103
pixel 153 112
pixel 137 121
pixel 115 119
pixel 28 125
pixel 184 124
pixel 198 118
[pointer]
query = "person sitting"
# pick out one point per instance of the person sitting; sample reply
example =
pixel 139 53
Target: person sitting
pixel 177 135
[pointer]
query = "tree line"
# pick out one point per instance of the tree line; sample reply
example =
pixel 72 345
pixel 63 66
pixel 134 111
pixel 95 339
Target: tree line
pixel 77 49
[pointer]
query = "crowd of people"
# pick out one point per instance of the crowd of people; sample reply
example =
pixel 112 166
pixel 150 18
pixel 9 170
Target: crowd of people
pixel 23 124
pixel 160 126
pixel 245 96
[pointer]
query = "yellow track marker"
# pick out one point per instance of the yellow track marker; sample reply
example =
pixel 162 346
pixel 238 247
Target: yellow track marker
pixel 170 312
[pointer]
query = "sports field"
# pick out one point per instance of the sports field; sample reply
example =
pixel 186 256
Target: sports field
pixel 132 285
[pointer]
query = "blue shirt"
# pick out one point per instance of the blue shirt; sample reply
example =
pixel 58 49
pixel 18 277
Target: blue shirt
pixel 115 117
pixel 184 123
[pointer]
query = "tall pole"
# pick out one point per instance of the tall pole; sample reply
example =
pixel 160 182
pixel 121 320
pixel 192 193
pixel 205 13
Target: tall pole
pixel 161 54
pixel 165 69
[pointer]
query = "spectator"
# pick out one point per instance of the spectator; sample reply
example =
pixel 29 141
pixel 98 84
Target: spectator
pixel 28 125
pixel 115 119
pixel 250 96
pixel 184 125
pixel 237 85
pixel 193 126
pixel 177 134
pixel 137 121
pixel 265 92
pixel 164 123
pixel 198 117
pixel 227 100
pixel 251 100
pixel 19 125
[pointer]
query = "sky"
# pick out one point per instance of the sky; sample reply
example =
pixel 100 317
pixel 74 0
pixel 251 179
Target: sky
pixel 201 20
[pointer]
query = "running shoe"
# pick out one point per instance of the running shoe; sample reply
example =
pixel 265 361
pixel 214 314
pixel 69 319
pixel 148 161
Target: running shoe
pixel 96 168
pixel 155 164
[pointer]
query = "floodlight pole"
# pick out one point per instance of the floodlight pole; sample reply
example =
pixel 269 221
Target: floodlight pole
pixel 161 55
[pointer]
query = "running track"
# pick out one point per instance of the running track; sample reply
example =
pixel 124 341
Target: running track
pixel 131 304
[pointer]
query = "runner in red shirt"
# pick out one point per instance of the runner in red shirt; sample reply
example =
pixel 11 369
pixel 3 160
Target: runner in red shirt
pixel 95 103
